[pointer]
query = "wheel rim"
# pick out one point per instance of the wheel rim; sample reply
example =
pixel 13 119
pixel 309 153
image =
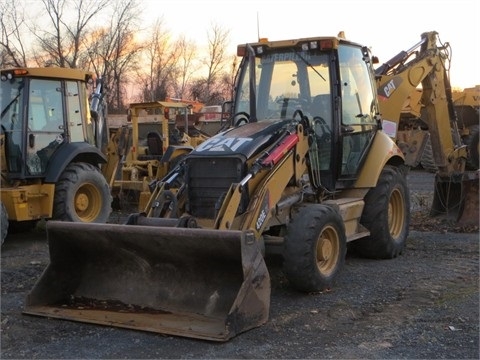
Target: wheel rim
pixel 87 201
pixel 396 213
pixel 328 249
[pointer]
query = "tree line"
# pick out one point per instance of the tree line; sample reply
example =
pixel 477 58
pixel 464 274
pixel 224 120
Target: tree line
pixel 106 36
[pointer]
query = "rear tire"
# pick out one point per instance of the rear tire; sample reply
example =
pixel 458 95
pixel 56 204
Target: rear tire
pixel 472 142
pixel 387 216
pixel 82 195
pixel 3 222
pixel 315 248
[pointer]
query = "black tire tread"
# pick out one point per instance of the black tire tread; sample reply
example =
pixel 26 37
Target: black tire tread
pixel 380 244
pixel 299 258
pixel 73 175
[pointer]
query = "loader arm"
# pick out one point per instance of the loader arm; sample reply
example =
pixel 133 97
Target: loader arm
pixel 269 178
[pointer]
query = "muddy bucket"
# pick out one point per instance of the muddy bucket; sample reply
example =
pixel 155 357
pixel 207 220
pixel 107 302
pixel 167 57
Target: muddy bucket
pixel 199 283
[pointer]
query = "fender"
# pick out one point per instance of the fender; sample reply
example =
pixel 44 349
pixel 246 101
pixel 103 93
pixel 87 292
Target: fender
pixel 383 151
pixel 72 152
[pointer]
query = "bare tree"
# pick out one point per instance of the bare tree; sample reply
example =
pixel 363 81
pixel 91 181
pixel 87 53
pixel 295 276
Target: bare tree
pixel 208 88
pixel 62 43
pixel 218 38
pixel 228 79
pixel 12 22
pixel 113 51
pixel 160 64
pixel 186 66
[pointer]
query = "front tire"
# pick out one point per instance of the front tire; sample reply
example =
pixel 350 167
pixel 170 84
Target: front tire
pixel 82 195
pixel 387 216
pixel 315 248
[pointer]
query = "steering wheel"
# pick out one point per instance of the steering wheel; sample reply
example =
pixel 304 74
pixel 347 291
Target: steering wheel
pixel 326 132
pixel 244 118
pixel 298 112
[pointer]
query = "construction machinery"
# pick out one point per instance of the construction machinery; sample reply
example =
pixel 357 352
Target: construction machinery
pixel 195 105
pixel 467 108
pixel 212 119
pixel 157 135
pixel 305 169
pixel 52 147
pixel 435 126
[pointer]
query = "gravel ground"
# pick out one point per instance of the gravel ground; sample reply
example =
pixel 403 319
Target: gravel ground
pixel 423 304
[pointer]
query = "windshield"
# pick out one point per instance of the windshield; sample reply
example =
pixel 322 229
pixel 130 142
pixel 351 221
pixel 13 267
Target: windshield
pixel 286 81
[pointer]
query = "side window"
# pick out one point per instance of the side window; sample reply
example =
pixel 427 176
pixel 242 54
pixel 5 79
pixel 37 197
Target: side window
pixel 45 107
pixel 358 97
pixel 75 125
pixel 11 99
pixel 243 93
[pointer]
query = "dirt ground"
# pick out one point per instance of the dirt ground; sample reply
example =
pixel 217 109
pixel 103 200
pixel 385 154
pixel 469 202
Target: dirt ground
pixel 423 304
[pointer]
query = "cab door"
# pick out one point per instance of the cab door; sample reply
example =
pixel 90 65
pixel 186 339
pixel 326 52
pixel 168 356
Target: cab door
pixel 45 124
pixel 358 110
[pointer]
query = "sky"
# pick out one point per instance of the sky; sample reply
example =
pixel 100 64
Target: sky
pixel 387 26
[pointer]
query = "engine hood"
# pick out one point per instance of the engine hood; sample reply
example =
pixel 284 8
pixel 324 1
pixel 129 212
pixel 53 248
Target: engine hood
pixel 246 140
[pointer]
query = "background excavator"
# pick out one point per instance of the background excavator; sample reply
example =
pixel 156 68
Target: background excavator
pixel 53 144
pixel 305 170
pixel 435 129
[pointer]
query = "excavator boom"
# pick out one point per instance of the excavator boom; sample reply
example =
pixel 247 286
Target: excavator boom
pixel 426 64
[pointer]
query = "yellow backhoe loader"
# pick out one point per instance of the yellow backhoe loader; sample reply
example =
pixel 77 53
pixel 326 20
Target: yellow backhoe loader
pixel 52 147
pixel 305 168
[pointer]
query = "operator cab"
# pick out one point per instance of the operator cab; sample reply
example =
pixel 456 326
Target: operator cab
pixel 326 82
pixel 48 110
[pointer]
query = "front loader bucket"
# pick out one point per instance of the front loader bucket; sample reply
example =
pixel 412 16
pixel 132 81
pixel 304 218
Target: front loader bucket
pixel 457 197
pixel 206 284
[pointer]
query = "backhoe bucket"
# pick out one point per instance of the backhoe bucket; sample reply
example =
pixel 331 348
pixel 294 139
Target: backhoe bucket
pixel 457 197
pixel 199 283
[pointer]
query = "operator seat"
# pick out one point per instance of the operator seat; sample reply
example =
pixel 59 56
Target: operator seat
pixel 154 143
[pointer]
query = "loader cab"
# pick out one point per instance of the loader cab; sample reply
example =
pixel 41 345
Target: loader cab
pixel 327 81
pixel 39 115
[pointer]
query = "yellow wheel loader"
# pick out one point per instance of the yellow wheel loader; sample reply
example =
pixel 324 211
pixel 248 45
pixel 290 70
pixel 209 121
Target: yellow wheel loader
pixel 453 144
pixel 52 142
pixel 305 169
